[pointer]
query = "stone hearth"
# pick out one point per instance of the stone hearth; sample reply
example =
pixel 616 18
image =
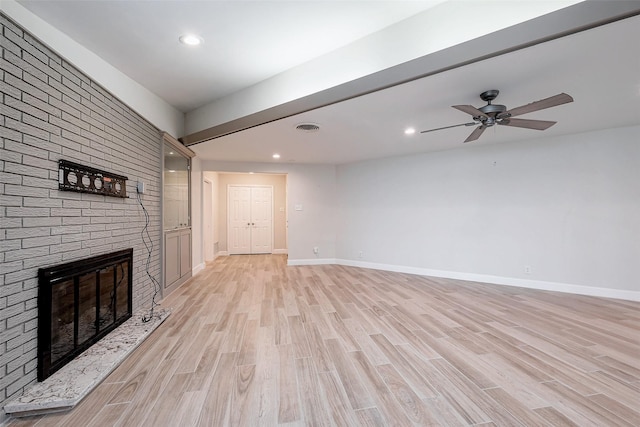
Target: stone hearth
pixel 67 387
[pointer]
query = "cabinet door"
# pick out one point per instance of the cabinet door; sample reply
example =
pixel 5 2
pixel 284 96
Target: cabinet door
pixel 172 254
pixel 185 252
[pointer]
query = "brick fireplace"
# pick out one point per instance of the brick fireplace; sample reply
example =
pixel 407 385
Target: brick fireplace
pixel 79 303
pixel 53 111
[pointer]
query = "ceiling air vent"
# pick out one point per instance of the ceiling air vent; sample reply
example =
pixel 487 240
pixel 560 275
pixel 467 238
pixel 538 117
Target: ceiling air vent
pixel 308 127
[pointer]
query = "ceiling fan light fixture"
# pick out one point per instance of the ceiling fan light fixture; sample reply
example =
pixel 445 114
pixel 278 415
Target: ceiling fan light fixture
pixel 308 127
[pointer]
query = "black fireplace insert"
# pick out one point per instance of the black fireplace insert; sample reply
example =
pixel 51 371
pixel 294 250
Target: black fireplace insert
pixel 79 303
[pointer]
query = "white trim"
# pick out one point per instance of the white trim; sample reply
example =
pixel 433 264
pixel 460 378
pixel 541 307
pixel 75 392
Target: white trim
pixel 197 269
pixel 314 261
pixel 280 251
pixel 211 238
pixel 482 278
pixel 222 253
pixel 498 280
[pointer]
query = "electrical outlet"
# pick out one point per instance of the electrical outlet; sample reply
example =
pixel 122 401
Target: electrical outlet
pixel 527 269
pixel 140 187
pixel 360 254
pixel 316 250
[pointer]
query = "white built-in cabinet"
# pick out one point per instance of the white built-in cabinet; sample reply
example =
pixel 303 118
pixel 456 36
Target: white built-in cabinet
pixel 176 212
pixel 177 245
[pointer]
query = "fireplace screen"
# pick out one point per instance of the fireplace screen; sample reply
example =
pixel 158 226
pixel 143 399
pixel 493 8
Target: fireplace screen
pixel 79 303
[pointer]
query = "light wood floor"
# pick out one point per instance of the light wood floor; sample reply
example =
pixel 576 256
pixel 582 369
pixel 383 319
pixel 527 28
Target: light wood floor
pixel 254 342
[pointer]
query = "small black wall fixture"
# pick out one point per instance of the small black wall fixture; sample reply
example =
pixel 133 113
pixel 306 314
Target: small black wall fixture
pixel 85 179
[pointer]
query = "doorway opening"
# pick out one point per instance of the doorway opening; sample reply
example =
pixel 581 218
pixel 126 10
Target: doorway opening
pixel 258 226
pixel 249 219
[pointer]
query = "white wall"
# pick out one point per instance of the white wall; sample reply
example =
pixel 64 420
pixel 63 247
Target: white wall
pixel 197 226
pixel 568 207
pixel 215 238
pixel 311 186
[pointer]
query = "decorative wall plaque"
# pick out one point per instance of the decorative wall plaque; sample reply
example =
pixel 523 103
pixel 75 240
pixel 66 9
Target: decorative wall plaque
pixel 85 179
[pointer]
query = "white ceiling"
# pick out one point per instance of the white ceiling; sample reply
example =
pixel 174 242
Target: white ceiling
pixel 599 67
pixel 245 42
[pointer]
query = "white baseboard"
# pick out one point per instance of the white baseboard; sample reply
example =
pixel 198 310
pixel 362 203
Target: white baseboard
pixel 312 261
pixel 275 252
pixel 498 280
pixel 198 268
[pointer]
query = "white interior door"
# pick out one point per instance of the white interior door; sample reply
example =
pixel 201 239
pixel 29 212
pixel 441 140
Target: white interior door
pixel 239 207
pixel 250 219
pixel 261 219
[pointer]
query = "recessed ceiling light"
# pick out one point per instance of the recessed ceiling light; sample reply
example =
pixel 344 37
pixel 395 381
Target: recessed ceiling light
pixel 276 156
pixel 190 39
pixel 409 131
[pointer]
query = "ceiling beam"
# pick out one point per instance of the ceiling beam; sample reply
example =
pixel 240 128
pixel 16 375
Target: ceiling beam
pixel 570 20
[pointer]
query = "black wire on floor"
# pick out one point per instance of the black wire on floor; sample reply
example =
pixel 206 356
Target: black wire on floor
pixel 149 246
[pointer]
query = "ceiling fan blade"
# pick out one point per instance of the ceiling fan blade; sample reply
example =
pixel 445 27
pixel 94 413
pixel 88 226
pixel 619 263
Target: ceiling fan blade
pixel 470 109
pixel 528 124
pixel 476 133
pixel 552 101
pixel 449 127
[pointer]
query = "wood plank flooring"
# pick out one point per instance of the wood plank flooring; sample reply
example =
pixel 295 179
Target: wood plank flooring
pixel 252 342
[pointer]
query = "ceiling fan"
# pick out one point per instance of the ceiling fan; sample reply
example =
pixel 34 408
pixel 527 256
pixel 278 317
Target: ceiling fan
pixel 495 114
